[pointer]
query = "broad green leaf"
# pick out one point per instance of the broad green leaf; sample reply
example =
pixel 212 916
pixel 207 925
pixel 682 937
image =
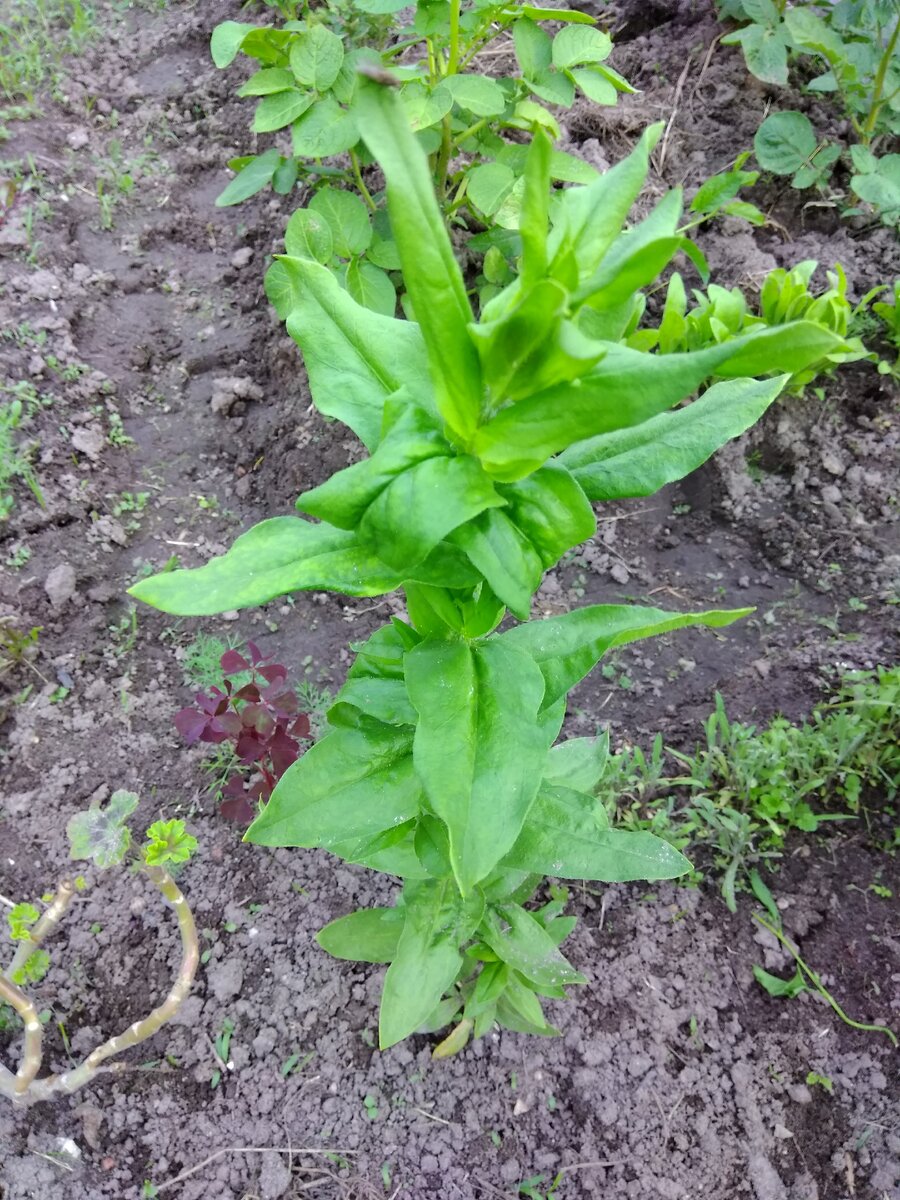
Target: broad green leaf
pixel 251 179
pixel 776 986
pixel 526 946
pixel 437 922
pixel 488 185
pixel 536 13
pixel 552 511
pixel 881 187
pixel 413 436
pixel 566 836
pixel 286 176
pixel 570 169
pixel 380 6
pixel 308 235
pixel 226 41
pixel 325 130
pixel 513 349
pixel 384 699
pixel 476 748
pixel 641 460
pixel 371 287
pixel 504 556
pixel 477 94
pixel 391 852
pixel 283 555
pixel 636 257
pixel 267 81
pixel 519 1009
pixel 352 783
pixel 369 935
pixel 422 505
pixel 627 387
pixel 355 358
pixel 533 225
pixel 591 217
pixel 425 106
pixel 784 142
pixel 578 763
pixel 765 52
pixel 552 86
pixel 534 48
pixel 575 44
pixel 280 109
pixel 567 648
pixel 430 270
pixel 316 57
pixel 595 86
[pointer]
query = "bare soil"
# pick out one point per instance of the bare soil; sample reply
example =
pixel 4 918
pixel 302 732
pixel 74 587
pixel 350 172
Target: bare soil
pixel 676 1076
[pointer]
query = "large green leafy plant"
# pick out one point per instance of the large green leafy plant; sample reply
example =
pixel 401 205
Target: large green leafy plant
pixel 468 122
pixel 487 441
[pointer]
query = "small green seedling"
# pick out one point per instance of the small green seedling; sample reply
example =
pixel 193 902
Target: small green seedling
pixel 100 834
pixel 814 1079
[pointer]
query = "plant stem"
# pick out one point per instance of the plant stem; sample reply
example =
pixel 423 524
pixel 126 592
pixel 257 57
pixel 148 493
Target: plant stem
pixel 453 61
pixel 357 175
pixel 15 1087
pixel 878 101
pixel 820 986
pixel 65 893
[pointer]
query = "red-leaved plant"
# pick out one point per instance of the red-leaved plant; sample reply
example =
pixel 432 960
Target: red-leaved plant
pixel 260 718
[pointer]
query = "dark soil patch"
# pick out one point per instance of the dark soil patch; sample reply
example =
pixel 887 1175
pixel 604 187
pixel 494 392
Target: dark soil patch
pixel 676 1076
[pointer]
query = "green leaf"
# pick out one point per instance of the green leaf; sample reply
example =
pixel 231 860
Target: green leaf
pixel 591 217
pixel 384 699
pixel 325 130
pixel 428 957
pixel 534 48
pixel 352 783
pixel 527 947
pixel 478 94
pixel 488 185
pixel 641 460
pixel 519 1009
pixel 502 553
pixel 780 987
pixel 425 106
pixel 533 223
pixel 316 57
pixel 369 935
pixel 881 187
pixel 169 842
pixel 578 763
pixel 251 179
pixel 371 287
pixel 308 235
pixel 421 506
pixel 476 749
pixel 282 555
pixel 566 836
pixel 280 109
pixel 355 358
pixel 226 41
pixel 433 279
pixel 391 852
pixel 567 648
pixel 101 833
pixel 576 44
pixel 267 81
pixel 784 142
pixel 595 86
pixel 552 86
pixel 552 511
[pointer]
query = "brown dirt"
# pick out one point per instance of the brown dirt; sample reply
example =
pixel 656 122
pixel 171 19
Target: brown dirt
pixel 675 1073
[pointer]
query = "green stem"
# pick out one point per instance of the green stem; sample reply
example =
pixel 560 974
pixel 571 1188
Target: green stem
pixel 45 926
pixel 357 175
pixel 467 133
pixel 453 61
pixel 878 101
pixel 820 986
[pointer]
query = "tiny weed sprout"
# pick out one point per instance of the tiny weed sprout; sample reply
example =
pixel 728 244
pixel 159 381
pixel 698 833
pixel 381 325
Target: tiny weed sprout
pixel 259 722
pixel 102 836
pixel 488 439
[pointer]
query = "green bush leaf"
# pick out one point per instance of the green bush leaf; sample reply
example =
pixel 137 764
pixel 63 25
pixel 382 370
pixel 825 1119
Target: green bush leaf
pixel 552 511
pixel 226 41
pixel 428 958
pixel 488 185
pixel 784 142
pixel 477 94
pixel 371 287
pixel 526 946
pixel 502 553
pixel 283 555
pixel 578 763
pixel 267 81
pixel 329 794
pixel 308 235
pixel 534 48
pixel 355 358
pixel 567 648
pixel 595 86
pixel 250 179
pixel 641 460
pixel 576 44
pixel 765 52
pixel 280 109
pixel 566 836
pixel 100 833
pixel 325 130
pixel 476 749
pixel 316 57
pixel 369 935
pixel 433 279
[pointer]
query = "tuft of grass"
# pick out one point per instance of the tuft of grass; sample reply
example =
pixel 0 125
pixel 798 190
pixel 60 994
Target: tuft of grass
pixel 741 793
pixel 15 461
pixel 35 37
